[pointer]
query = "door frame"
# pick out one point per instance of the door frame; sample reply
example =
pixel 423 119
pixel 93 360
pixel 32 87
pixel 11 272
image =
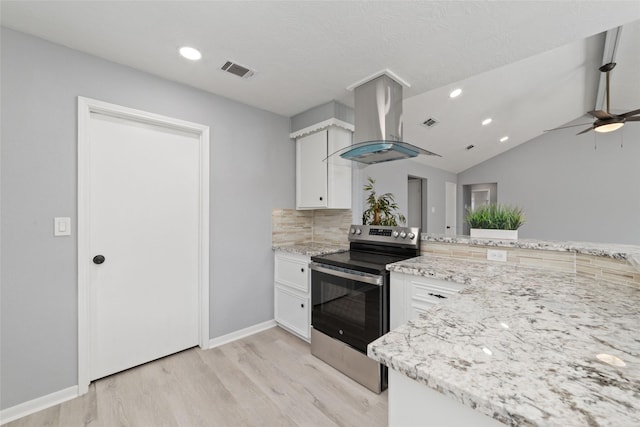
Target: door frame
pixel 86 106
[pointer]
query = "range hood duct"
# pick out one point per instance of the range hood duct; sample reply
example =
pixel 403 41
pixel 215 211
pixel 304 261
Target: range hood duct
pixel 378 124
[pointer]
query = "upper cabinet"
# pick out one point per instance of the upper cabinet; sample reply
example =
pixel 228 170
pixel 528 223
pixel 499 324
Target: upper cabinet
pixel 323 184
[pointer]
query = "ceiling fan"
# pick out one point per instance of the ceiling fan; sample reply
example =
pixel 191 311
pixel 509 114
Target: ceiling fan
pixel 606 121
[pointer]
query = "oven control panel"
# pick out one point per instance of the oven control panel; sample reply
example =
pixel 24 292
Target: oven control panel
pixel 401 236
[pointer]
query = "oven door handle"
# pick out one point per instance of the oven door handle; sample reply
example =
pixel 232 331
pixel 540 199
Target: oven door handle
pixel 370 279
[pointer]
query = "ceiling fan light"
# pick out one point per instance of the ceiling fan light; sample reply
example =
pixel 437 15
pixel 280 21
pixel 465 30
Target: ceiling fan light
pixel 608 127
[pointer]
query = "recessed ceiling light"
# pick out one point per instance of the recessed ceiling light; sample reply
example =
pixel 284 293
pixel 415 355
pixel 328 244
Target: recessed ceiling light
pixel 504 138
pixel 486 121
pixel 455 93
pixel 190 53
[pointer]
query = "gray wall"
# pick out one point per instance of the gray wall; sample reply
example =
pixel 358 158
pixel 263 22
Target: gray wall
pixel 392 177
pixel 568 189
pixel 252 171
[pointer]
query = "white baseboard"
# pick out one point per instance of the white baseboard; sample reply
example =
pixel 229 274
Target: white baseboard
pixel 224 339
pixel 38 404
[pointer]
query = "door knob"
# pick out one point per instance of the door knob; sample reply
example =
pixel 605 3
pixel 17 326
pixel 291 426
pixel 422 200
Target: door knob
pixel 98 259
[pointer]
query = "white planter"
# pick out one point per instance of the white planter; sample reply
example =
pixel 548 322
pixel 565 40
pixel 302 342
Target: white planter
pixel 483 233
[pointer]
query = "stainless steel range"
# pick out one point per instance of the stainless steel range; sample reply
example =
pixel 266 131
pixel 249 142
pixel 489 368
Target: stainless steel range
pixel 350 299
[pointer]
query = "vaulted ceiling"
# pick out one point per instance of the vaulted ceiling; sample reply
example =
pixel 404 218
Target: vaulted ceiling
pixel 528 65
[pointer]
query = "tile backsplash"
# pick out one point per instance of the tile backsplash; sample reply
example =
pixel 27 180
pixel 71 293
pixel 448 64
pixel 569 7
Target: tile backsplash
pixel 597 267
pixel 331 226
pixel 325 226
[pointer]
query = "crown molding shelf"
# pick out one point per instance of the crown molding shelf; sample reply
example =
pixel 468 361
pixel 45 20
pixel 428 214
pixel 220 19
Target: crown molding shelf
pixel 321 125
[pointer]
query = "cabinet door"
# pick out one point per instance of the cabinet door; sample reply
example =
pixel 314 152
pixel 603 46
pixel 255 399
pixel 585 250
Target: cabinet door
pixel 311 171
pixel 397 312
pixel 338 170
pixel 292 311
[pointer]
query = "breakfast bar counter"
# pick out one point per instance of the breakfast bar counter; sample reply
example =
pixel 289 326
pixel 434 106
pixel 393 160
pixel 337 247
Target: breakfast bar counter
pixel 521 345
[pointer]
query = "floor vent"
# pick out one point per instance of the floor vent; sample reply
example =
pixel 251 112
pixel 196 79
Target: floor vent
pixel 430 122
pixel 237 70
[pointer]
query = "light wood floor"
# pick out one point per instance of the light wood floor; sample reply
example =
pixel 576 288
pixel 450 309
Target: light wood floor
pixel 267 379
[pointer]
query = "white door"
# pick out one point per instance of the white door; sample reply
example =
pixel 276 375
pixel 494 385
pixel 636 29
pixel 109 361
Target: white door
pixel 450 208
pixel 480 198
pixel 144 220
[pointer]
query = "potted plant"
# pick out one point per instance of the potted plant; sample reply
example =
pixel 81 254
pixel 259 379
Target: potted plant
pixel 495 221
pixel 382 209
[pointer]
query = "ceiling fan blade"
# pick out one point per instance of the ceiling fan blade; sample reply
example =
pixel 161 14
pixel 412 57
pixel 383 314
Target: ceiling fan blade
pixel 584 131
pixel 599 114
pixel 632 119
pixel 629 113
pixel 565 127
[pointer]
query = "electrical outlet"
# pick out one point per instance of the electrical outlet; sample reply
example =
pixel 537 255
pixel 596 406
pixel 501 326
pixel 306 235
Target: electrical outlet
pixel 496 255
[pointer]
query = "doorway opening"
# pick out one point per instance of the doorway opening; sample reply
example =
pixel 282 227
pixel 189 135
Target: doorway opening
pixel 417 203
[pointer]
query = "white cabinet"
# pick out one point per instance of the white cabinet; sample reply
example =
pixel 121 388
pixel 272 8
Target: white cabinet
pixel 412 295
pixel 292 296
pixel 320 184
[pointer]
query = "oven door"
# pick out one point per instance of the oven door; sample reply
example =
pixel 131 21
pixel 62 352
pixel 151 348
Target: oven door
pixel 349 305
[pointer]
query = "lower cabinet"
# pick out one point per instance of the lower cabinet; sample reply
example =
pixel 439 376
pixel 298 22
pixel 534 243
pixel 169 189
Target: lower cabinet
pixel 292 293
pixel 292 311
pixel 412 295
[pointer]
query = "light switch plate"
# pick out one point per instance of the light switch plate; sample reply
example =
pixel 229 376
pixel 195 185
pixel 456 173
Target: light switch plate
pixel 62 226
pixel 496 255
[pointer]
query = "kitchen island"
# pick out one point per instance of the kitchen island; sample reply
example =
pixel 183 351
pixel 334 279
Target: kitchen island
pixel 521 345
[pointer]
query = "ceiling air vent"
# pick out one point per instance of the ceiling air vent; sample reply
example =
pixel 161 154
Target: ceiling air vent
pixel 236 69
pixel 430 122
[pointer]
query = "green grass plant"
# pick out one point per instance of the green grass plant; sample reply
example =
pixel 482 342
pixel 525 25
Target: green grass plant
pixel 495 217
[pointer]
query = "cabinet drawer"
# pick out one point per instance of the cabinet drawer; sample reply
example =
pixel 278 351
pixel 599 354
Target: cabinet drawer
pixel 292 311
pixel 424 293
pixel 293 272
pixel 432 290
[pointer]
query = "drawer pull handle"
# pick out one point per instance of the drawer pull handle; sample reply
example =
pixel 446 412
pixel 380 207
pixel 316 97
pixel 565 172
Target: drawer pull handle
pixel 436 295
pixel 302 270
pixel 301 305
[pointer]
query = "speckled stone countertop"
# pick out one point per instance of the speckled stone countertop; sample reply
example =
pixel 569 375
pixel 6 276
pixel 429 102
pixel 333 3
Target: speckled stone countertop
pixel 631 253
pixel 522 345
pixel 311 249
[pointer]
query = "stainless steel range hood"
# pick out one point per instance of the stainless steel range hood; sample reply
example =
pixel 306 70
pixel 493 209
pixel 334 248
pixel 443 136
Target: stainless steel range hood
pixel 378 124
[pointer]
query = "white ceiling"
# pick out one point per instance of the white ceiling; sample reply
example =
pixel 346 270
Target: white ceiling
pixel 528 65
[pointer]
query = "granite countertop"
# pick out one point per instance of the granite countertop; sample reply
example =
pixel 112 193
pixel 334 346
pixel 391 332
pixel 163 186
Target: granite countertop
pixel 631 253
pixel 311 249
pixel 524 345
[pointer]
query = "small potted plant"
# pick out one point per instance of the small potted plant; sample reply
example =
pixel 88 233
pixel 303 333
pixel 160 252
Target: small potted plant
pixel 495 221
pixel 382 209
